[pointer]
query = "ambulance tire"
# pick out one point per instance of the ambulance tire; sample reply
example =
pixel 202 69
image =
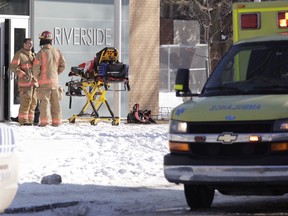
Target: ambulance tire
pixel 198 196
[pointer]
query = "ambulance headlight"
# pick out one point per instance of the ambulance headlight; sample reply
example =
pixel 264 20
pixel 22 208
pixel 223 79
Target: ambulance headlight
pixel 177 127
pixel 281 125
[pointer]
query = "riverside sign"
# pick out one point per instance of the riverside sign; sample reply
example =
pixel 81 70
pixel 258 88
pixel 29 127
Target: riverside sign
pixel 82 36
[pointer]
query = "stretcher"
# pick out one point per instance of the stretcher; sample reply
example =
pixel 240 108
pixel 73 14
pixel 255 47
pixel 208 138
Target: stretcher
pixel 96 77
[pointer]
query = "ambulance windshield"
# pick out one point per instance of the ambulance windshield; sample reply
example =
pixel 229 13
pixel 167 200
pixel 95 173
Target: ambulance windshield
pixel 254 68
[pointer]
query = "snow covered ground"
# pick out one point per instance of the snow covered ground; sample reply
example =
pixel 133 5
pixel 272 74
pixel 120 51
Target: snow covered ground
pixel 89 159
pixel 84 154
pixel 110 171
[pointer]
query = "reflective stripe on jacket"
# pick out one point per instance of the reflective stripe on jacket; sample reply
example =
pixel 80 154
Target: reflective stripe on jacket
pixel 48 64
pixel 21 65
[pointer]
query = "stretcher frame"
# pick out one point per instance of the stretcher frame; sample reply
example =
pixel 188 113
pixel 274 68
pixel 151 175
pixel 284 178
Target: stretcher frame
pixel 95 87
pixel 95 92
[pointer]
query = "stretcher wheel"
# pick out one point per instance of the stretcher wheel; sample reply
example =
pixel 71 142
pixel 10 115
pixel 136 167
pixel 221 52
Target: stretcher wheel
pixel 71 120
pixel 115 122
pixel 94 122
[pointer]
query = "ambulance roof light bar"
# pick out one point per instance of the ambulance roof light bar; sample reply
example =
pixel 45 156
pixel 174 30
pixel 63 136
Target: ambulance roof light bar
pixel 283 19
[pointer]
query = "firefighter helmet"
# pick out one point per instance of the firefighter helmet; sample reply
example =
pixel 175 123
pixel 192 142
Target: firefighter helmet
pixel 46 35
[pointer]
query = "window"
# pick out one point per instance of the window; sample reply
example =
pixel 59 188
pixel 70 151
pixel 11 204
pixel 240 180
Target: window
pixel 14 7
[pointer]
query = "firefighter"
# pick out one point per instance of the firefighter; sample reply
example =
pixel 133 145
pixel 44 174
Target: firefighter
pixel 21 65
pixel 48 64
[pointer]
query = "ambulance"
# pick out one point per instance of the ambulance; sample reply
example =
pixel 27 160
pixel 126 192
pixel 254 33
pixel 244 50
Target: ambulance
pixel 233 136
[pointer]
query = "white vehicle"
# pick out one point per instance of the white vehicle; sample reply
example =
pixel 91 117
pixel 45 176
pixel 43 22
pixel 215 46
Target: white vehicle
pixel 8 167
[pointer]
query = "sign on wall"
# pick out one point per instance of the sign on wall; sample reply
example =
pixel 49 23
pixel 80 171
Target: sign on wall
pixel 81 29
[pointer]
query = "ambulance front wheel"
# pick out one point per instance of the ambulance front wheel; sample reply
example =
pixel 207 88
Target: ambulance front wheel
pixel 198 196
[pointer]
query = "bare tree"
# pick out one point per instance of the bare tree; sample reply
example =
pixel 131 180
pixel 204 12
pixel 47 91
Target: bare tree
pixel 215 19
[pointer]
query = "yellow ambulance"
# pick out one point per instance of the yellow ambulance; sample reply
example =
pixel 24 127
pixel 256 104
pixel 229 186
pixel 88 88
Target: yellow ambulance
pixel 233 136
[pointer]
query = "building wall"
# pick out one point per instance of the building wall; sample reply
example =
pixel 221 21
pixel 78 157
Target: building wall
pixel 81 30
pixel 144 46
pixel 181 32
pixel 186 32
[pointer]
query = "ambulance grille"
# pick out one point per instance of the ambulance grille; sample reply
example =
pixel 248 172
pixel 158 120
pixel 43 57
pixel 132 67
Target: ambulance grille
pixel 212 150
pixel 230 150
pixel 235 127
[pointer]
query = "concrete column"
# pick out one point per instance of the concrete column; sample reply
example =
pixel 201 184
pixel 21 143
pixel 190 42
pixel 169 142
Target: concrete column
pixel 117 45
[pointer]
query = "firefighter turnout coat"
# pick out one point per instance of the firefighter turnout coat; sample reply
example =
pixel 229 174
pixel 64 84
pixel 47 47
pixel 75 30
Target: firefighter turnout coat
pixel 21 65
pixel 48 64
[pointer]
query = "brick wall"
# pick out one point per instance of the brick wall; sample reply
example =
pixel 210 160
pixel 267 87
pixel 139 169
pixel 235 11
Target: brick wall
pixel 144 54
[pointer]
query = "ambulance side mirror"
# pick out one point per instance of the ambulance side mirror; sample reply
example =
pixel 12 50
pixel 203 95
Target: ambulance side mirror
pixel 182 83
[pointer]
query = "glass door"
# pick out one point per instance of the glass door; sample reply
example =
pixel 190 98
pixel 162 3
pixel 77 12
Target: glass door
pixel 17 31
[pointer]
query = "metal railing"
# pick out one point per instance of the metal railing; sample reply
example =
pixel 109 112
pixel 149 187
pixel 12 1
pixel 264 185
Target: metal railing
pixel 173 57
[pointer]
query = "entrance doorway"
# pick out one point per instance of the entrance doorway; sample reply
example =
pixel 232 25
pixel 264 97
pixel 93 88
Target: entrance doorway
pixel 12 33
